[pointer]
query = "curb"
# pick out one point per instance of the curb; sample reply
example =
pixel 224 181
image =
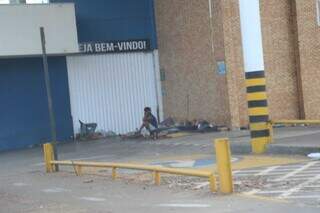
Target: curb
pixel 275 149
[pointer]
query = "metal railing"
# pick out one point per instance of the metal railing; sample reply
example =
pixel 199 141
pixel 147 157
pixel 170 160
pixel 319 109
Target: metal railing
pixel 78 165
pixel 288 122
pixel 223 160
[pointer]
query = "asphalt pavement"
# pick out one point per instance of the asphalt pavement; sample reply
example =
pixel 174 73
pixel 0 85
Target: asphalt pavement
pixel 25 187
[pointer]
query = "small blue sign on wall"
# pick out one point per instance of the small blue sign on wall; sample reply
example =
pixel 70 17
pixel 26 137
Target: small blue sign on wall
pixel 222 69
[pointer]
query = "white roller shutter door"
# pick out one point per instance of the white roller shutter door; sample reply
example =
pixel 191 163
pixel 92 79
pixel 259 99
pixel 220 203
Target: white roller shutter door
pixel 111 89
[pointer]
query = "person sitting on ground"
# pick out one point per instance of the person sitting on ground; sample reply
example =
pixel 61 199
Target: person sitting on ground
pixel 149 122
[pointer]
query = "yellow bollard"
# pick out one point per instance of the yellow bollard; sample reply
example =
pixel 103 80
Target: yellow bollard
pixel 224 165
pixel 212 182
pixel 270 127
pixel 114 173
pixel 157 178
pixel 78 170
pixel 48 156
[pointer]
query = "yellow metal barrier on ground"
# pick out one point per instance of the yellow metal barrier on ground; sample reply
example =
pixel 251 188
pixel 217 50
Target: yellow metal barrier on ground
pixel 289 122
pixel 78 165
pixel 223 160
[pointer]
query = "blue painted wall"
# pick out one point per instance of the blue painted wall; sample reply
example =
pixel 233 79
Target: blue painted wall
pixel 103 20
pixel 23 102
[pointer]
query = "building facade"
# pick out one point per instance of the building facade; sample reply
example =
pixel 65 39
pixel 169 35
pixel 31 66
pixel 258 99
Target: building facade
pixel 182 58
pixel 24 106
pixel 117 72
pixel 109 79
pixel 195 37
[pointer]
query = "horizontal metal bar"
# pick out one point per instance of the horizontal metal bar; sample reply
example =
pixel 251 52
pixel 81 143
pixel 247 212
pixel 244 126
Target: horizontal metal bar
pixel 186 172
pixel 295 122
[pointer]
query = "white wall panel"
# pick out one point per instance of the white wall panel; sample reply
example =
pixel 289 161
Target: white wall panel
pixel 112 89
pixel 251 35
pixel 20 29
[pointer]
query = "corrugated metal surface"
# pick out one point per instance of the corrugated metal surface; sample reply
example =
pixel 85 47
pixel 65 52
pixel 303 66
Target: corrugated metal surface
pixel 111 89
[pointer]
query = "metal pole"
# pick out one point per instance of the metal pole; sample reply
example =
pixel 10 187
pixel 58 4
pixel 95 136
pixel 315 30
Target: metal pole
pixel 156 86
pixel 48 89
pixel 250 21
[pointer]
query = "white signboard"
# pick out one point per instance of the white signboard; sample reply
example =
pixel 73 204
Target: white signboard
pixel 20 29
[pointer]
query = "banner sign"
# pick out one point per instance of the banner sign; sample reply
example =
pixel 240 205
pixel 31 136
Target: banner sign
pixel 115 46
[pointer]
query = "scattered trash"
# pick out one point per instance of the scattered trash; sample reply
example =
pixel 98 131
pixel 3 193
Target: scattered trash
pixel 145 133
pixel 244 128
pixel 223 128
pixel 94 199
pixel 110 134
pixel 278 125
pixel 197 126
pixel 56 190
pixel 87 128
pixel 172 130
pixel 167 122
pixel 88 181
pixel 131 135
pixel 205 126
pixel 187 126
pixel 314 156
pixel 88 132
pixel 170 126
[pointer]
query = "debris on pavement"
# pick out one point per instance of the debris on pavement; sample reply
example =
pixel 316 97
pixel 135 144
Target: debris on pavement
pixel 170 126
pixel 109 134
pixel 131 135
pixel 168 122
pixel 88 181
pixel 314 156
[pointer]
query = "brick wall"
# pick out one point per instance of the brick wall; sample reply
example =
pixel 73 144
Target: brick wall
pixel 234 60
pixel 279 57
pixel 192 88
pixel 309 51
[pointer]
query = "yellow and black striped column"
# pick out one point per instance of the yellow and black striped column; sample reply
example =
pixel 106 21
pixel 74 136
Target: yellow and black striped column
pixel 258 110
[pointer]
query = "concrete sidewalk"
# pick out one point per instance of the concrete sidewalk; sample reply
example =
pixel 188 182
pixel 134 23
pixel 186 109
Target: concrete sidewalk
pixel 287 140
